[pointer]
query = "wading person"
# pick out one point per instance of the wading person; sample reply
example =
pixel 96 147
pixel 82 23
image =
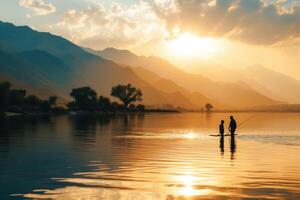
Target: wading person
pixel 232 126
pixel 221 128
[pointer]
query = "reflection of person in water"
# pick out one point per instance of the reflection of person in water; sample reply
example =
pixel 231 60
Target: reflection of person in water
pixel 222 145
pixel 232 126
pixel 232 147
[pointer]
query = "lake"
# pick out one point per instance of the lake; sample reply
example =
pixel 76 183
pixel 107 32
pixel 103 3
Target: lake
pixel 152 156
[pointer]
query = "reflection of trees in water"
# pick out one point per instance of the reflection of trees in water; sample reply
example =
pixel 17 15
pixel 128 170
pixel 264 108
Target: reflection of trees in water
pixel 83 129
pixel 93 122
pixel 208 118
pixel 15 129
pixel 86 128
pixel 105 121
pixel 127 124
pixel 86 123
pixel 140 120
pixel 132 119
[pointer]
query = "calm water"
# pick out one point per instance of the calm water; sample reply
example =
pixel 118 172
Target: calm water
pixel 168 156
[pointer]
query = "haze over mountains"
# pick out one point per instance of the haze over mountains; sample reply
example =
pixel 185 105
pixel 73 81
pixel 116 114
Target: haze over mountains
pixel 266 81
pixel 234 94
pixel 49 64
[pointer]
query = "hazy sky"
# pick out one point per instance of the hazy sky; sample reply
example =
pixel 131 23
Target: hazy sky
pixel 189 33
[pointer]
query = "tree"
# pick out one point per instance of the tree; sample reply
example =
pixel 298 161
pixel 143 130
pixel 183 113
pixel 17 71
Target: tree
pixel 104 103
pixel 15 100
pixel 127 94
pixel 208 107
pixel 45 106
pixel 33 101
pixel 132 107
pixel 72 105
pixel 141 108
pixel 115 106
pixel 85 98
pixel 52 100
pixel 17 97
pixel 4 96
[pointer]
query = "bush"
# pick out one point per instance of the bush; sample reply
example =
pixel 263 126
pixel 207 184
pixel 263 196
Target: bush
pixel 141 108
pixel 16 109
pixel 59 110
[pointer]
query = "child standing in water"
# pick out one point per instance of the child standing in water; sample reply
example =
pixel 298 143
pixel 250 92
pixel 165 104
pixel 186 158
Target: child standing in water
pixel 221 128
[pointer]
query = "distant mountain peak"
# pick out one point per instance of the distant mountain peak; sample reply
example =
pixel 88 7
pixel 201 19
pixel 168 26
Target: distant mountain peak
pixel 11 25
pixel 23 38
pixel 120 52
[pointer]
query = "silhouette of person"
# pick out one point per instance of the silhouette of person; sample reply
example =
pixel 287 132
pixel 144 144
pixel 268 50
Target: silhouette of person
pixel 232 126
pixel 221 128
pixel 221 132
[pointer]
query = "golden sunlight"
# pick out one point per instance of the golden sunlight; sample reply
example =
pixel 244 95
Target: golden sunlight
pixel 188 189
pixel 189 45
pixel 190 135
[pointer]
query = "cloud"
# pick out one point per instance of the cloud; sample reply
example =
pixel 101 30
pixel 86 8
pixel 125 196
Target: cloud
pixel 260 22
pixel 263 22
pixel 118 25
pixel 39 7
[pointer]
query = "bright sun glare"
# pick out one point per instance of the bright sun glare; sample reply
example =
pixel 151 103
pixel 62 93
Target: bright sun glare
pixel 189 45
pixel 190 135
pixel 188 190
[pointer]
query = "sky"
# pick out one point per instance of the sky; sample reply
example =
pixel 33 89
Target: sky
pixel 192 34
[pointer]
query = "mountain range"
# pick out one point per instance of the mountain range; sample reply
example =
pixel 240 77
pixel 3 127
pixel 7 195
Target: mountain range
pixel 49 64
pixel 231 94
pixel 267 81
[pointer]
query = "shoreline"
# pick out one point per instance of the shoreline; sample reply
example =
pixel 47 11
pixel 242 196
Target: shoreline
pixel 248 111
pixel 159 111
pixel 88 113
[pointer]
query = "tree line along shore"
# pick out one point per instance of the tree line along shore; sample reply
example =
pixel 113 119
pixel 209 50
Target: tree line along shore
pixel 84 100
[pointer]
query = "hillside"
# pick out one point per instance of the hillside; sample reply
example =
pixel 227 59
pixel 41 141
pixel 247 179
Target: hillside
pixel 48 62
pixel 267 81
pixel 170 86
pixel 234 94
pixel 275 84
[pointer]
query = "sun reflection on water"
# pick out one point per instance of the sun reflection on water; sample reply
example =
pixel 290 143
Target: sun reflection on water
pixel 188 182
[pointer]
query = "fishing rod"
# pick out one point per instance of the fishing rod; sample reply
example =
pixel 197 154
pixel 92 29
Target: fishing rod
pixel 243 122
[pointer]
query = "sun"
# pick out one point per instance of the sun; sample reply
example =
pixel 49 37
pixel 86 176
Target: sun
pixel 188 45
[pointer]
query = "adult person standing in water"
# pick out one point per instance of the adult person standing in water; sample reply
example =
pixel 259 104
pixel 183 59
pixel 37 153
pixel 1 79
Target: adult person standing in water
pixel 232 126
